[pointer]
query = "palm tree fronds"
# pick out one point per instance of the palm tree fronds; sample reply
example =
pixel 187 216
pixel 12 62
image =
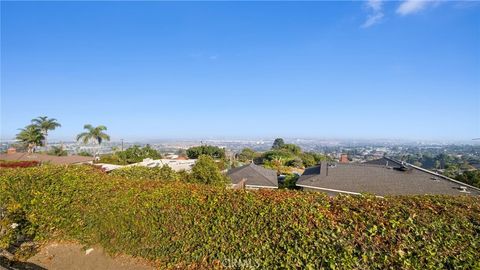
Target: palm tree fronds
pixel 93 134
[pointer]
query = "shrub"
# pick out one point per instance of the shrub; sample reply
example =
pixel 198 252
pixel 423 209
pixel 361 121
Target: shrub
pixel 296 163
pixel 307 160
pixel 57 151
pixel 470 177
pixel 85 154
pixel 180 224
pixel 131 155
pixel 280 155
pixel 209 150
pixel 164 173
pixel 206 171
pixel 290 181
pixel 136 154
pixel 292 148
pixel 247 154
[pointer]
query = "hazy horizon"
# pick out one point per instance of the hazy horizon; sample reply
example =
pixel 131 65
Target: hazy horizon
pixel 150 70
pixel 320 140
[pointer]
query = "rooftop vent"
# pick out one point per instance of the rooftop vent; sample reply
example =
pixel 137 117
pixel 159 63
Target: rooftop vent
pixel 403 168
pixel 387 166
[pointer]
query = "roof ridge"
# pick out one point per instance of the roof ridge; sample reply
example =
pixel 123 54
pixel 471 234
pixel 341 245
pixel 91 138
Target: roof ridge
pixel 361 164
pixel 259 169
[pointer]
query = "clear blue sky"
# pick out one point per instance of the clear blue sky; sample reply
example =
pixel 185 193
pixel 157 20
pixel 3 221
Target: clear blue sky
pixel 243 69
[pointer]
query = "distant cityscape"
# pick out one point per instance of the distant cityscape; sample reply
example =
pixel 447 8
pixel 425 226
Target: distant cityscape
pixel 358 151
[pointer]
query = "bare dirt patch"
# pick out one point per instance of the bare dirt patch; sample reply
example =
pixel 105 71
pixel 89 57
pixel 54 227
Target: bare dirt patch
pixel 75 256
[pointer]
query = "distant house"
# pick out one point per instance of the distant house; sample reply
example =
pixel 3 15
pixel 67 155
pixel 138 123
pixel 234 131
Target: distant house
pixel 343 158
pixel 381 177
pixel 253 177
pixel 175 164
pixel 44 158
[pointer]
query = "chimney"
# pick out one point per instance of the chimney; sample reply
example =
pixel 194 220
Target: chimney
pixel 343 158
pixel 11 150
pixel 323 169
pixel 240 185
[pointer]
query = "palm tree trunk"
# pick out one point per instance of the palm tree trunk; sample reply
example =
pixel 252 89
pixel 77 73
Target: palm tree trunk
pixel 31 148
pixel 45 140
pixel 97 153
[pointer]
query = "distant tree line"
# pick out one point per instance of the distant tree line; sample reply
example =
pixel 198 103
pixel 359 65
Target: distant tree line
pixel 450 165
pixel 208 150
pixel 282 154
pixel 131 155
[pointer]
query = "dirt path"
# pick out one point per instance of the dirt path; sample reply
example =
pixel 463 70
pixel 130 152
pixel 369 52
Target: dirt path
pixel 74 256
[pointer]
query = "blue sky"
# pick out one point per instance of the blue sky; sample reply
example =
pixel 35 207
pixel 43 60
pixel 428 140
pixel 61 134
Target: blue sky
pixel 372 69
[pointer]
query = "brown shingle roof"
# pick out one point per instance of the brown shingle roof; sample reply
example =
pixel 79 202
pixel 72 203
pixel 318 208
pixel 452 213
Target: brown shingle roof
pixel 379 179
pixel 44 158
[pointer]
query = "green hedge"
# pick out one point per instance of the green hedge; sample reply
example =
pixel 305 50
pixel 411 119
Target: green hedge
pixel 180 224
pixel 164 173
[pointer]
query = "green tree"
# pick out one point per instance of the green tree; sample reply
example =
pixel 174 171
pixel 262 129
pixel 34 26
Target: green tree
pixel 136 154
pixel 31 136
pixel 296 163
pixel 452 171
pixel 292 148
pixel 470 177
pixel 93 134
pixel 206 171
pixel 281 155
pixel 308 160
pixel 278 143
pixel 247 154
pixel 209 150
pixel 45 124
pixel 319 157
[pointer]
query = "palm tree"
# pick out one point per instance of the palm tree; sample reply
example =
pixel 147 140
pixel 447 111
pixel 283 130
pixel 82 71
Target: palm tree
pixel 31 136
pixel 45 124
pixel 93 134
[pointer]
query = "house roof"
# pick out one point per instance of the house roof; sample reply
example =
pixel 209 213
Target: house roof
pixel 254 176
pixel 62 160
pixel 384 176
